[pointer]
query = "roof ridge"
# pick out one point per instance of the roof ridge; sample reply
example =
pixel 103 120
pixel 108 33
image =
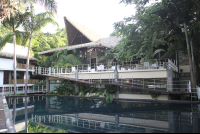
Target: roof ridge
pixel 90 34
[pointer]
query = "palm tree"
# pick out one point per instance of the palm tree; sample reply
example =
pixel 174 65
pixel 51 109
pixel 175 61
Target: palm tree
pixel 12 23
pixel 9 9
pixel 8 6
pixel 32 24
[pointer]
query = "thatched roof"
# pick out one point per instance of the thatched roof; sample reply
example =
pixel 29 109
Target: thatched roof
pixel 18 56
pixel 89 38
pixel 79 34
pixel 86 45
pixel 109 42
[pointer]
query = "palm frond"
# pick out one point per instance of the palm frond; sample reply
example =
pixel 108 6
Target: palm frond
pixel 5 39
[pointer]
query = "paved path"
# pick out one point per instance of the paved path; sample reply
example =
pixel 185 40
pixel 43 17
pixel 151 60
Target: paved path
pixel 3 128
pixel 6 125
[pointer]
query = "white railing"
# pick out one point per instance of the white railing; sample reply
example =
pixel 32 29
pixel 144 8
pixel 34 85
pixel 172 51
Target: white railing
pixel 99 123
pixel 198 92
pixel 9 89
pixel 108 66
pixel 172 65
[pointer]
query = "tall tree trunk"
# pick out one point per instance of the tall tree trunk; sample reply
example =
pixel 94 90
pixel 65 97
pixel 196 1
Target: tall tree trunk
pixel 26 116
pixel 193 83
pixel 27 65
pixel 14 111
pixel 193 62
pixel 197 68
pixel 14 58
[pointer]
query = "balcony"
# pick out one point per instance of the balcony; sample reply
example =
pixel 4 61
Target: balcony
pixel 22 81
pixel 23 66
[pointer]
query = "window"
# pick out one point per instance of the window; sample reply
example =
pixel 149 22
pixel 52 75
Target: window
pixel 184 74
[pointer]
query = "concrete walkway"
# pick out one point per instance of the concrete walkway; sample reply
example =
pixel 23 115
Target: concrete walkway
pixel 6 124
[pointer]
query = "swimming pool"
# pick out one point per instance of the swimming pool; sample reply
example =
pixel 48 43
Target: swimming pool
pixel 65 114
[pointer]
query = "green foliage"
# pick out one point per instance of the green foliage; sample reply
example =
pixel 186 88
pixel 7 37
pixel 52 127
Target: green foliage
pixel 36 128
pixel 110 55
pixel 155 95
pixel 13 95
pixel 159 24
pixel 107 91
pixel 65 89
pixel 62 58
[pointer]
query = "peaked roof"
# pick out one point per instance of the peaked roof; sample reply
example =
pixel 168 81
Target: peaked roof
pixel 74 29
pixel 108 42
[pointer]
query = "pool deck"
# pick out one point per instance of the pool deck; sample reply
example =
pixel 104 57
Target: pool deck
pixel 6 123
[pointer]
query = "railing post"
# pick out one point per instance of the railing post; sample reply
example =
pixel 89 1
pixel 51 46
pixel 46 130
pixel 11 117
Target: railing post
pixel 38 88
pixel 49 70
pixel 54 71
pixel 132 81
pixel 28 89
pixel 36 72
pixel 143 83
pixel 121 79
pixel 65 72
pixel 109 78
pixel 154 84
pixel 42 86
pixel 57 70
pixel 17 90
pixel 2 91
pixel 112 78
pixel 100 78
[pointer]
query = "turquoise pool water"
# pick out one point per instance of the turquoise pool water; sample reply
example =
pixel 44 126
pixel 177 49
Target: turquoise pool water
pixel 94 116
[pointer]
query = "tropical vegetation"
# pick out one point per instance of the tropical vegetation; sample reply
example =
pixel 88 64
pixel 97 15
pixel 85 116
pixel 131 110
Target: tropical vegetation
pixel 37 128
pixel 167 23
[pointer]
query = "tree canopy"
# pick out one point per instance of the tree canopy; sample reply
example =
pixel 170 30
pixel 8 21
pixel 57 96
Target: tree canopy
pixel 161 23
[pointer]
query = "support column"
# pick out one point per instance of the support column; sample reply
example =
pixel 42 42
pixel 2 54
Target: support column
pixel 117 92
pixel 116 77
pixel 76 74
pixel 116 119
pixel 169 80
pixel 77 103
pixel 116 74
pixel 47 104
pixel 171 122
pixel 77 87
pixel 47 84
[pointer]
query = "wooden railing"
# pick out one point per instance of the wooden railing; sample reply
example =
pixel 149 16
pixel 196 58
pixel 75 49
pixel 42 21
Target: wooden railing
pixel 22 81
pixel 23 66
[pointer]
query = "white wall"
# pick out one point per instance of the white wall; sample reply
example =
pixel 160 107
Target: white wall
pixel 142 96
pixel 6 64
pixel 1 77
pixel 185 68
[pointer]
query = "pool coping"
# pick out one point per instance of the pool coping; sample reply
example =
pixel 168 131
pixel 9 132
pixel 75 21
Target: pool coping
pixel 9 122
pixel 119 99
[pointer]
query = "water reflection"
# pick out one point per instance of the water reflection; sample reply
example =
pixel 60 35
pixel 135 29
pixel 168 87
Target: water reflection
pixel 87 115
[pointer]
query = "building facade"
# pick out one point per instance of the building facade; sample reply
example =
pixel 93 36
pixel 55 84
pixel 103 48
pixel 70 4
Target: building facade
pixel 7 66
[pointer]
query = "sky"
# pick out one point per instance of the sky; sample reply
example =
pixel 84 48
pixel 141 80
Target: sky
pixel 97 15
